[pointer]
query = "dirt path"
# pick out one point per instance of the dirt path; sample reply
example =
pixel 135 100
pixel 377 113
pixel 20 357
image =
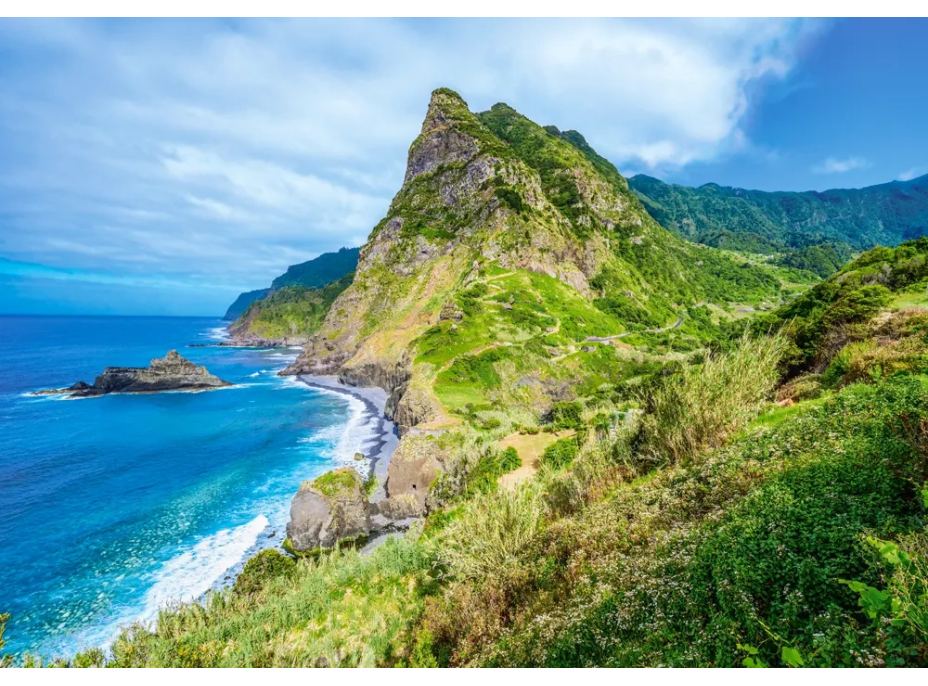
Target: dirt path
pixel 530 448
pixel 603 339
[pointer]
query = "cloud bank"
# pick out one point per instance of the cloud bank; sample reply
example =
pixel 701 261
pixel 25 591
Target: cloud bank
pixel 223 151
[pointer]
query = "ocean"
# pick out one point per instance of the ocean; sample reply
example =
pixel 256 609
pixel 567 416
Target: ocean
pixel 113 507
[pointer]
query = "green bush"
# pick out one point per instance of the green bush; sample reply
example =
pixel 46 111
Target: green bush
pixel 567 415
pixel 561 453
pixel 491 531
pixel 260 569
pixel 510 460
pixel 701 407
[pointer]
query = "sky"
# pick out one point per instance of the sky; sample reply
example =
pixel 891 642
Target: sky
pixel 162 167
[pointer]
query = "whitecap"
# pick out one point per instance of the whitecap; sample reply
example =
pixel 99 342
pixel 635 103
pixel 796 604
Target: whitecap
pixel 192 573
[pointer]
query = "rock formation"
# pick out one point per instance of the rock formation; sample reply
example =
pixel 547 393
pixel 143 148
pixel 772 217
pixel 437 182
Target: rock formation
pixel 330 509
pixel 416 463
pixel 169 373
pixel 334 508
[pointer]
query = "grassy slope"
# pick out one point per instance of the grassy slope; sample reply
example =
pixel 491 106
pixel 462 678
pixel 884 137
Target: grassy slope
pixel 291 311
pixel 744 546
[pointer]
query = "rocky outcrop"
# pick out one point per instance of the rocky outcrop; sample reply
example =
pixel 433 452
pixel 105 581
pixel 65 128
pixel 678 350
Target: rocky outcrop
pixel 416 463
pixel 334 509
pixel 254 341
pixel 169 373
pixel 328 510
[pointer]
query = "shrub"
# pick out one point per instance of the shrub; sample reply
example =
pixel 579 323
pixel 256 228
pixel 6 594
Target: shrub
pixel 701 407
pixel 567 415
pixel 510 460
pixel 491 530
pixel 266 565
pixel 5 660
pixel 561 453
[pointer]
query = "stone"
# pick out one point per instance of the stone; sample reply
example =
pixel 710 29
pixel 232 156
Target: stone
pixel 400 507
pixel 416 463
pixel 358 457
pixel 330 509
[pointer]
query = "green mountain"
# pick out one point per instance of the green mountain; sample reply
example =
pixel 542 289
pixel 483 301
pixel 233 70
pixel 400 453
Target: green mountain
pixel 318 272
pixel 315 273
pixel 886 214
pixel 508 247
pixel 237 309
pixel 287 316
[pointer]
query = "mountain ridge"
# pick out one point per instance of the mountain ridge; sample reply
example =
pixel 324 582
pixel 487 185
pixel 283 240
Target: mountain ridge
pixel 884 214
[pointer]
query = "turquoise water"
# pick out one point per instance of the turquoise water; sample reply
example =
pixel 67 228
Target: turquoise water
pixel 113 506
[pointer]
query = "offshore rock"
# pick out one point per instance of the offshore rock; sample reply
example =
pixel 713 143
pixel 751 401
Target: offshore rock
pixel 169 373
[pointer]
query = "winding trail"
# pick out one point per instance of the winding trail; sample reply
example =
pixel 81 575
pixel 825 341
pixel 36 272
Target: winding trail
pixel 603 339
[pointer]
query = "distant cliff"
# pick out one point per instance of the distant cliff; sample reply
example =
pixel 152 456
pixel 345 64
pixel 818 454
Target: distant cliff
pixel 237 309
pixel 288 316
pixel 315 273
pixel 323 270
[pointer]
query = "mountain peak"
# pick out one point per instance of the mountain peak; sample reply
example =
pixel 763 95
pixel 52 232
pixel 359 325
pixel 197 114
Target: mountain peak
pixel 450 133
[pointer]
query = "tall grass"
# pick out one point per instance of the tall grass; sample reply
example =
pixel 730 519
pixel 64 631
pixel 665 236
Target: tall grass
pixel 491 531
pixel 699 408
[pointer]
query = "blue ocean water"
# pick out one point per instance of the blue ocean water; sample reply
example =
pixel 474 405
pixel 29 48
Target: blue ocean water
pixel 112 507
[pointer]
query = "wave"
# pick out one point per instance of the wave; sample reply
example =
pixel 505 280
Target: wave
pixel 360 432
pixel 217 333
pixel 192 573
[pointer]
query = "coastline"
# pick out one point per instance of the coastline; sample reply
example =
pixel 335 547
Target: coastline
pixel 375 401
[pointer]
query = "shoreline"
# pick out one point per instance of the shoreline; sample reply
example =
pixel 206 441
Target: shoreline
pixel 375 401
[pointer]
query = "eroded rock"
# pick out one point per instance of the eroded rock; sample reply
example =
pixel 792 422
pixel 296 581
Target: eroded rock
pixel 169 373
pixel 417 462
pixel 327 510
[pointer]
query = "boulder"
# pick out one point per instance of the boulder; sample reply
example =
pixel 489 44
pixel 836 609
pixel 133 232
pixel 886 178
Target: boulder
pixel 330 509
pixel 400 507
pixel 416 463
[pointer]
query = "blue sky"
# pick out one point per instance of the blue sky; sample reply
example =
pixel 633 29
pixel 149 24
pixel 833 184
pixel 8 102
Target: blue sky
pixel 161 167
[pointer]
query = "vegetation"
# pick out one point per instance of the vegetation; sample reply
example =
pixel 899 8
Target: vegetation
pixel 718 465
pixel 316 273
pixel 879 215
pixel 687 413
pixel 319 271
pixel 795 542
pixel 293 311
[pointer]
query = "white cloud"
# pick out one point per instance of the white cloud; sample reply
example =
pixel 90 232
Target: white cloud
pixel 834 165
pixel 912 173
pixel 232 149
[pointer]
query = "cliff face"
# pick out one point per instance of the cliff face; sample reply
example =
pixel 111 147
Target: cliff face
pixel 237 309
pixel 487 192
pixel 313 274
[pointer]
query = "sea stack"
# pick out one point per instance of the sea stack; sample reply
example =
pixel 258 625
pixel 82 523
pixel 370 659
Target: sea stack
pixel 169 373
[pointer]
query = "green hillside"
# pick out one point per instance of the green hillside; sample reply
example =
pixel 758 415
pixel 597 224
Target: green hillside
pixel 322 270
pixel 291 312
pixel 759 221
pixel 315 273
pixel 237 309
